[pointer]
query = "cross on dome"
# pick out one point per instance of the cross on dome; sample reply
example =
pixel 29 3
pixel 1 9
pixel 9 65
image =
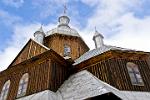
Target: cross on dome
pixel 97 33
pixel 95 29
pixel 65 8
pixel 40 29
pixel 64 19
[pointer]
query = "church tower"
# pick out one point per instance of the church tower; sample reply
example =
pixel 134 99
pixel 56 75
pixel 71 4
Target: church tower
pixel 65 40
pixel 98 39
pixel 39 35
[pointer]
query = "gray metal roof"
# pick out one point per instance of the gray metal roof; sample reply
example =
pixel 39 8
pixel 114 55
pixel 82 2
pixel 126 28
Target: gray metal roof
pixel 83 85
pixel 96 52
pixel 65 30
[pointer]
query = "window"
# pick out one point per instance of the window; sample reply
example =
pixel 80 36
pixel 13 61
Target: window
pixel 66 50
pixel 23 85
pixel 134 74
pixel 5 90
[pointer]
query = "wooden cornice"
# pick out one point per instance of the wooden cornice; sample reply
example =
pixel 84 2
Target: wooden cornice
pixel 93 60
pixel 132 55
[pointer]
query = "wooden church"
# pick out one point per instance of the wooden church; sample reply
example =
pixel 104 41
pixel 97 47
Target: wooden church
pixel 58 65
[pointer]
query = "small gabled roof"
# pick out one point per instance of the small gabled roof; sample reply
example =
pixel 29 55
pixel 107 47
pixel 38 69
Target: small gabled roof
pixel 30 40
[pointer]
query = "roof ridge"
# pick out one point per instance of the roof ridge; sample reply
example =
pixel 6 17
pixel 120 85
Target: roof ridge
pixel 40 44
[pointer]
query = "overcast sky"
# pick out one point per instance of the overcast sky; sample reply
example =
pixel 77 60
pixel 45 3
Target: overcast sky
pixel 123 23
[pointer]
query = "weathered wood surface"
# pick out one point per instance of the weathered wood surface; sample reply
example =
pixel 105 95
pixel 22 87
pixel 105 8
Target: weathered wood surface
pixel 43 74
pixel 57 42
pixel 111 68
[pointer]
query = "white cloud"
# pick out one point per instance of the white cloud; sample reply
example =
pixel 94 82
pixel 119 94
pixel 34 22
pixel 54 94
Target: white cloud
pixel 21 34
pixel 91 2
pixel 6 56
pixel 51 7
pixel 107 11
pixel 114 18
pixel 8 19
pixel 13 3
pixel 117 21
pixel 133 33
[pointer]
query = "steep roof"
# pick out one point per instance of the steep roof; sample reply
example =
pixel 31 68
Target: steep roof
pixel 63 30
pixel 83 85
pixel 96 52
pixel 32 48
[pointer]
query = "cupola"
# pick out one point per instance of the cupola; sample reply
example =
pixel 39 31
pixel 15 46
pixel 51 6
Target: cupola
pixel 98 39
pixel 39 35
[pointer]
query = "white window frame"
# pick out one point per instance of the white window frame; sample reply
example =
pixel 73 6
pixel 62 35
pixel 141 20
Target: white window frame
pixel 5 90
pixel 23 84
pixel 67 50
pixel 134 74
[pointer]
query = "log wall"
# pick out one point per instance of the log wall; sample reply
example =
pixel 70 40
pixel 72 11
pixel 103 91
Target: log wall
pixel 57 42
pixel 111 68
pixel 43 74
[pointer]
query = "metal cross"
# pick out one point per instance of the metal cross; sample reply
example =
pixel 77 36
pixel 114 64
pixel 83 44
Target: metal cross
pixel 65 8
pixel 95 29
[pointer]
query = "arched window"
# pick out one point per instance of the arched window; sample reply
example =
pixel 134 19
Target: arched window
pixel 67 50
pixel 134 74
pixel 5 90
pixel 23 85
